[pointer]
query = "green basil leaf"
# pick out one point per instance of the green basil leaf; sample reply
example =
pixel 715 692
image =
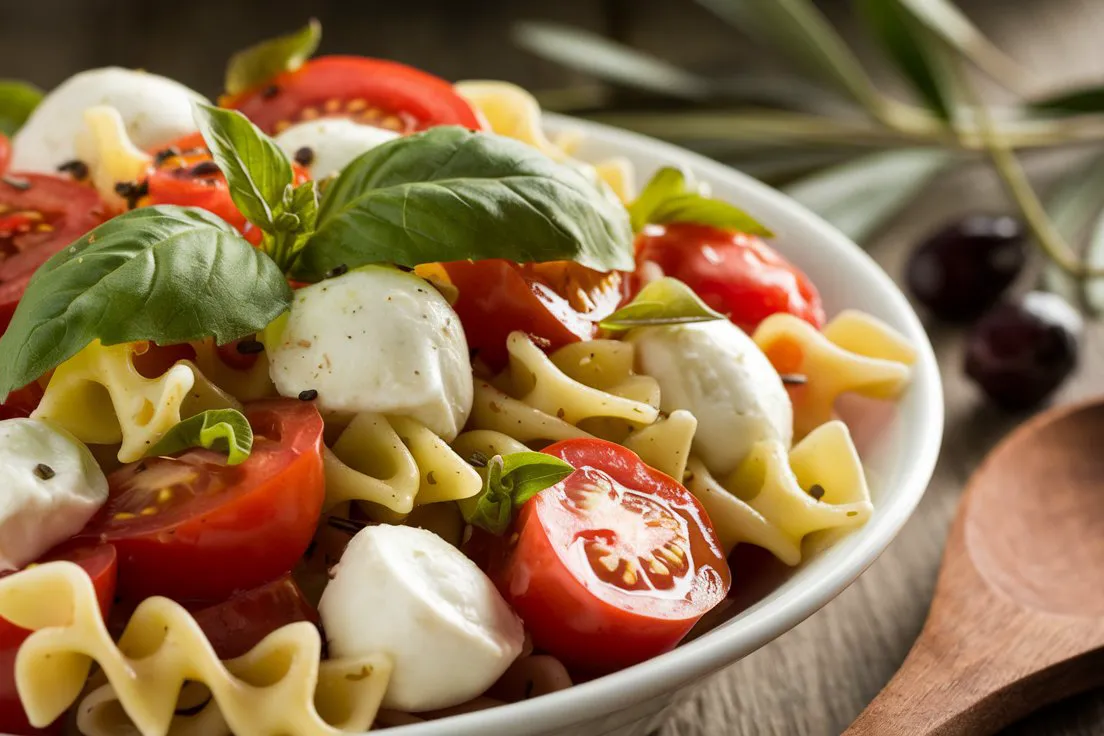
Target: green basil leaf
pixel 452 194
pixel 669 198
pixel 257 170
pixel 252 67
pixel 167 274
pixel 17 101
pixel 222 430
pixel 665 301
pixel 510 481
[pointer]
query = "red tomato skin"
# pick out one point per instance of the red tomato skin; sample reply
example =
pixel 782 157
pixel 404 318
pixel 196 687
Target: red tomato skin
pixel 239 623
pixel 238 543
pixel 588 633
pixel 5 153
pixel 99 563
pixel 735 273
pixel 418 98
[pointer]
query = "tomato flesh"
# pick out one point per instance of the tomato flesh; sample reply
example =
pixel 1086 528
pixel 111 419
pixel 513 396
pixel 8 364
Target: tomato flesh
pixel 39 216
pixel 5 153
pixel 185 174
pixel 193 528
pixel 614 564
pixel 376 92
pixel 99 562
pixel 556 303
pixel 239 623
pixel 737 274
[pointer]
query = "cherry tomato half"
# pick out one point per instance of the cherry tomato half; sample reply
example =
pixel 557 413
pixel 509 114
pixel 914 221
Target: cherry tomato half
pixel 99 562
pixel 39 215
pixel 557 303
pixel 184 173
pixel 195 529
pixel 5 152
pixel 386 94
pixel 737 274
pixel 239 623
pixel 614 564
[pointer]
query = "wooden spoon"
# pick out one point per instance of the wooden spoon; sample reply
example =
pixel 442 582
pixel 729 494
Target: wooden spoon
pixel 1018 616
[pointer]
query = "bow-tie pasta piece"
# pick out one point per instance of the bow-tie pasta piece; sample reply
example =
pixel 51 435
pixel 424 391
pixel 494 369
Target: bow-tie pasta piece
pixel 856 353
pixel 774 500
pixel 277 687
pixel 100 397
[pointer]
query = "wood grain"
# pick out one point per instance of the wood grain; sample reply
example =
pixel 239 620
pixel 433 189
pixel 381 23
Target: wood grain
pixel 816 679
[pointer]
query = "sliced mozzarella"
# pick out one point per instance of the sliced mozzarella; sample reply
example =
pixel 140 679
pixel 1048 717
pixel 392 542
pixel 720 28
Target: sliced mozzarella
pixel 156 111
pixel 333 142
pixel 408 593
pixel 377 340
pixel 52 487
pixel 717 373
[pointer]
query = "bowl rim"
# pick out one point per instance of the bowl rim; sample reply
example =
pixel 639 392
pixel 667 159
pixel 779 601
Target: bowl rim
pixel 719 648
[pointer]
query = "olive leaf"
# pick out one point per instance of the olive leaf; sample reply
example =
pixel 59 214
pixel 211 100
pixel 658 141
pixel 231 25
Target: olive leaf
pixel 1077 101
pixel 509 481
pixel 166 274
pixel 252 67
pixel 222 430
pixel 665 301
pixel 861 196
pixel 1072 205
pixel 17 101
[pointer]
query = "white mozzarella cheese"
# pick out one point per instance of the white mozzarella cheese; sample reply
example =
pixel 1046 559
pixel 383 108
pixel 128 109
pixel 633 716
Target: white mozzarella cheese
pixel 156 111
pixel 717 373
pixel 408 593
pixel 380 340
pixel 332 142
pixel 52 487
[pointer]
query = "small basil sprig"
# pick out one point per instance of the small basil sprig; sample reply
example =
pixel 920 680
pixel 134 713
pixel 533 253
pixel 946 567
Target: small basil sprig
pixel 252 67
pixel 452 194
pixel 167 274
pixel 508 482
pixel 222 430
pixel 669 198
pixel 261 182
pixel 665 301
pixel 17 101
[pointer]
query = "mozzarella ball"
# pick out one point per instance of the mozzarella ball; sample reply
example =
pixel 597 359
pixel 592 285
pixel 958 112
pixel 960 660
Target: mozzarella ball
pixel 333 142
pixel 380 340
pixel 52 487
pixel 718 374
pixel 408 593
pixel 156 111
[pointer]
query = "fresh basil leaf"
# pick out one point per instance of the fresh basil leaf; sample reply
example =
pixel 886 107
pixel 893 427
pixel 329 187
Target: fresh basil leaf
pixel 665 301
pixel 252 67
pixel 510 481
pixel 222 430
pixel 669 198
pixel 452 194
pixel 17 101
pixel 167 274
pixel 257 170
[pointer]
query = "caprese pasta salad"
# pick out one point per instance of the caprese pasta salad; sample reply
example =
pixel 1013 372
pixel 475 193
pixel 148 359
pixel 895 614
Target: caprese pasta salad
pixel 354 399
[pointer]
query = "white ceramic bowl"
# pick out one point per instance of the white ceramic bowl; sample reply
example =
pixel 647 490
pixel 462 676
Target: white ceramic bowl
pixel 898 448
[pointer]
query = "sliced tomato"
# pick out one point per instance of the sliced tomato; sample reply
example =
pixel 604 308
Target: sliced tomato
pixel 614 564
pixel 377 92
pixel 239 623
pixel 99 562
pixel 737 274
pixel 557 303
pixel 39 215
pixel 185 174
pixel 5 153
pixel 196 529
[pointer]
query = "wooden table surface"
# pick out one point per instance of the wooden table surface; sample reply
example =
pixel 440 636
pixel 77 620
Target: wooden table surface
pixel 816 678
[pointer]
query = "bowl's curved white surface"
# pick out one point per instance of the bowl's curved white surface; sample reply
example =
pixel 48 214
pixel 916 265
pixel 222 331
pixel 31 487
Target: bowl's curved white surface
pixel 899 450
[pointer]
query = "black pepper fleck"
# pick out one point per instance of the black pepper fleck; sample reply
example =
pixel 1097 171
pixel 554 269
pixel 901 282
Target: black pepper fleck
pixel 816 491
pixel 44 472
pixel 269 92
pixel 205 168
pixel 309 395
pixel 75 168
pixel 339 270
pixel 165 154
pixel 304 156
pixel 250 347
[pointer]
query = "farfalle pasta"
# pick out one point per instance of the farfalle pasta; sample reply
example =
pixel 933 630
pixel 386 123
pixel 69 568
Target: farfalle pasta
pixel 487 425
